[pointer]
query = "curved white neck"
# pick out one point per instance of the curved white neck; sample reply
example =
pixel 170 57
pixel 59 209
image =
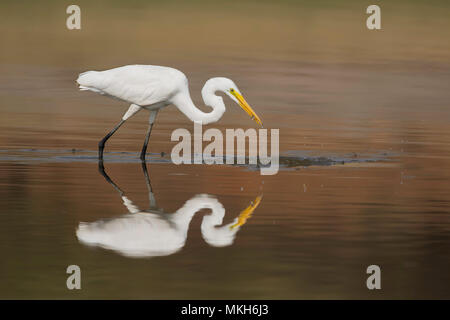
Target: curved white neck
pixel 184 103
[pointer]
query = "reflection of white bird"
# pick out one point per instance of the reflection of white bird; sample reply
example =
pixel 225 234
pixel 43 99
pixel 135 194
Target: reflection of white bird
pixel 147 234
pixel 154 87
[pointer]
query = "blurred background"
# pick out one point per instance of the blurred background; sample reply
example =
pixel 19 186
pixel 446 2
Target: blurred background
pixel 310 68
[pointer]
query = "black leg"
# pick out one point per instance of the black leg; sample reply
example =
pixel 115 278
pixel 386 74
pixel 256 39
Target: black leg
pixel 151 196
pixel 151 120
pixel 147 138
pixel 101 144
pixel 102 171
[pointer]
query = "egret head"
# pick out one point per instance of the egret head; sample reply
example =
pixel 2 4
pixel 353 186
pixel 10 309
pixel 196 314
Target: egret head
pixel 230 89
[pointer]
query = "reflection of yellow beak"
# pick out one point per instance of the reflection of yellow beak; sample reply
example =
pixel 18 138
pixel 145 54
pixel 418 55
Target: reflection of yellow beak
pixel 244 105
pixel 246 213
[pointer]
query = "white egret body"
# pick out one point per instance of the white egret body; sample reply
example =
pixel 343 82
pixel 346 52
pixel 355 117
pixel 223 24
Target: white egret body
pixel 154 87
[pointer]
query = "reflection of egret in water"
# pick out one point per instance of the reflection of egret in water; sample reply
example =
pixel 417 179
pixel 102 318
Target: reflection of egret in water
pixel 148 233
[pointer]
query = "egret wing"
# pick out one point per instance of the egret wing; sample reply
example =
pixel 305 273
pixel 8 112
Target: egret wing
pixel 139 84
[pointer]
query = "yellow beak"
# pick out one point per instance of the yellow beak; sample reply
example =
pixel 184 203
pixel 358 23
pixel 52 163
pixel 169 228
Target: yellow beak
pixel 244 105
pixel 246 213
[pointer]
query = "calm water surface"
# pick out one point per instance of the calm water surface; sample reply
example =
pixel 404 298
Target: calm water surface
pixel 226 231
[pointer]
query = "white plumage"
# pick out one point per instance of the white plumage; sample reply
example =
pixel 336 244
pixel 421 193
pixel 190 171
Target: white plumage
pixel 138 84
pixel 154 87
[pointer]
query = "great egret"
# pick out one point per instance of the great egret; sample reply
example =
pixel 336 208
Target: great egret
pixel 152 232
pixel 155 87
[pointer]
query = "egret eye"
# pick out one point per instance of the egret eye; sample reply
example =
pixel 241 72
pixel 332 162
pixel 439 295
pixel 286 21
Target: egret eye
pixel 232 90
